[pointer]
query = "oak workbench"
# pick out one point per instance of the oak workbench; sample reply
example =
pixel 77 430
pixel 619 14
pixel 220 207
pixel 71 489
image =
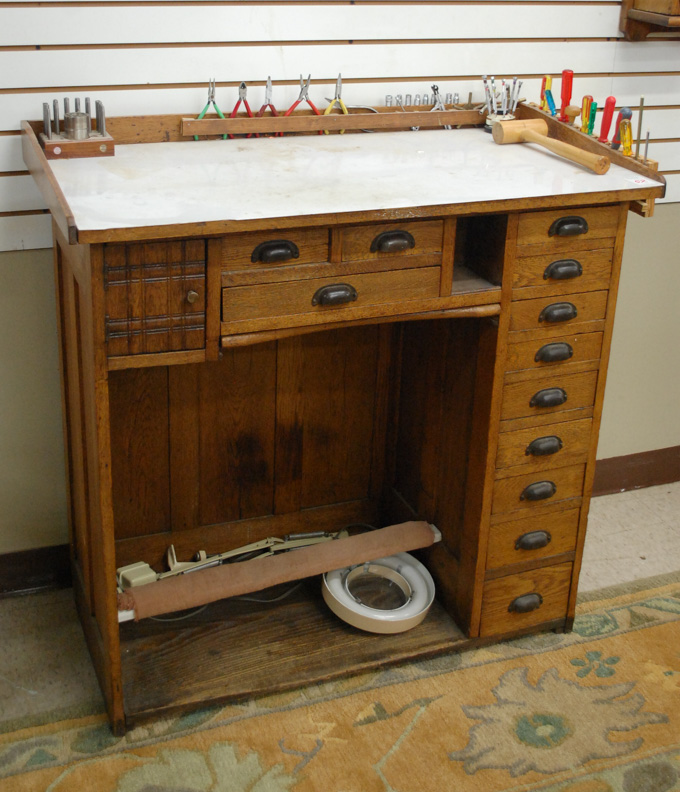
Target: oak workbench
pixel 454 372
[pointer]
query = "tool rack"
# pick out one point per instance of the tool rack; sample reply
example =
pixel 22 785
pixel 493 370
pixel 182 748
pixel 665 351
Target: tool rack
pixel 208 402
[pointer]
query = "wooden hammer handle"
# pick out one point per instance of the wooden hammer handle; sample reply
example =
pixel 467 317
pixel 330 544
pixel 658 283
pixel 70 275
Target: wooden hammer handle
pixel 596 162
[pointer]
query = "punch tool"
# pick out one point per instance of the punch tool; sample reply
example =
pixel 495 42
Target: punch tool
pixel 210 103
pixel 337 99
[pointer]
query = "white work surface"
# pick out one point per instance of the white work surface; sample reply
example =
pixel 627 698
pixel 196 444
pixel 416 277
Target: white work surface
pixel 151 184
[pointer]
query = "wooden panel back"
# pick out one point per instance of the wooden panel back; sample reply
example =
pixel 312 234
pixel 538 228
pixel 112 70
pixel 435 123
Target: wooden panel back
pixel 139 417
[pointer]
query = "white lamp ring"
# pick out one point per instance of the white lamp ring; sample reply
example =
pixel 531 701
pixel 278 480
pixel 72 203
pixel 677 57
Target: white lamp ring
pixel 407 581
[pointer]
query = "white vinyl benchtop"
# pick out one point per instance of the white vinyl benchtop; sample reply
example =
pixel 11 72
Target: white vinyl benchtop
pixel 151 184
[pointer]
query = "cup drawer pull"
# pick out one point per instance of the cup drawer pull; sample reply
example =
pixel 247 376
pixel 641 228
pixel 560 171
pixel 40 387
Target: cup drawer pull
pixel 564 269
pixel 548 397
pixel 534 540
pixel 275 251
pixel 554 353
pixel 544 446
pixel 526 603
pixel 335 294
pixel 539 490
pixel 392 242
pixel 558 312
pixel 572 225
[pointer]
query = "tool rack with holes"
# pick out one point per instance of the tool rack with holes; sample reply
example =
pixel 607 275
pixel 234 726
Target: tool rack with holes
pixel 284 335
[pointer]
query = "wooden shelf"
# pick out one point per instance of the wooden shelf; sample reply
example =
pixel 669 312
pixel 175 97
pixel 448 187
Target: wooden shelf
pixel 639 18
pixel 236 649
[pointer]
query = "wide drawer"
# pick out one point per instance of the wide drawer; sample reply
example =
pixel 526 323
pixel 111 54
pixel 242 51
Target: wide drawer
pixel 341 297
pixel 553 353
pixel 526 599
pixel 532 538
pixel 540 448
pixel 586 270
pixel 547 395
pixel 270 248
pixel 533 490
pixel 391 239
pixel 558 229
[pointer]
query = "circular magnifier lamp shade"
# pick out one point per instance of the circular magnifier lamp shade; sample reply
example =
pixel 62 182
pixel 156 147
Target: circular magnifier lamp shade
pixel 388 595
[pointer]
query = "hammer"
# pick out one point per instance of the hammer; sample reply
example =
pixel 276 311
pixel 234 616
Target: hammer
pixel 535 130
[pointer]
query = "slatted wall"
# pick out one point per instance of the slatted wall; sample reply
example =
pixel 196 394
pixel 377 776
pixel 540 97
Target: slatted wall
pixel 157 56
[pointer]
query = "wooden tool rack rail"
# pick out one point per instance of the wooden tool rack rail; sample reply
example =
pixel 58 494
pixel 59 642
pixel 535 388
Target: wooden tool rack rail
pixel 208 403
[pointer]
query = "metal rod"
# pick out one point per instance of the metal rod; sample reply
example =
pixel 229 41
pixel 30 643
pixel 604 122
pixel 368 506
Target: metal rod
pixel 77 105
pixel 101 117
pixel 55 105
pixel 639 129
pixel 67 105
pixel 47 125
pixel 646 147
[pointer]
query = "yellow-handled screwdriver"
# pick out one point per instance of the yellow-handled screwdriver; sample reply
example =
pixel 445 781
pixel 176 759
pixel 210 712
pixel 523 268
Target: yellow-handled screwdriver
pixel 585 113
pixel 626 134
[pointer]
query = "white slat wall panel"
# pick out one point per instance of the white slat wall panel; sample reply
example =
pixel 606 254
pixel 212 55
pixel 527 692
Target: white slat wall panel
pixel 155 57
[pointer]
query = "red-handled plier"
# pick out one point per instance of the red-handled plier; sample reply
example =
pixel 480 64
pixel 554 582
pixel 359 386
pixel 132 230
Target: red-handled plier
pixel 268 105
pixel 304 97
pixel 242 92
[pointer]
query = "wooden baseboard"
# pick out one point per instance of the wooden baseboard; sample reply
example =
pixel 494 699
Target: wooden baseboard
pixel 634 471
pixel 35 570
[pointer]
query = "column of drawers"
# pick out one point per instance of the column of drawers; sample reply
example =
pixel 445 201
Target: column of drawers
pixel 559 298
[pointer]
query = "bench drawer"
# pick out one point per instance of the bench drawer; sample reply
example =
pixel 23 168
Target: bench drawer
pixel 569 272
pixel 565 229
pixel 552 314
pixel 306 300
pixel 554 352
pixel 262 249
pixel 547 395
pixel 507 601
pixel 540 448
pixel 391 239
pixel 533 490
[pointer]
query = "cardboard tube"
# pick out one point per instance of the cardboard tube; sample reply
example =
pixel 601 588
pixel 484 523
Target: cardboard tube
pixel 232 580
pixel 535 130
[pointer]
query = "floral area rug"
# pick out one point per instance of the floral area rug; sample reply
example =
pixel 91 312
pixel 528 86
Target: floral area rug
pixel 595 710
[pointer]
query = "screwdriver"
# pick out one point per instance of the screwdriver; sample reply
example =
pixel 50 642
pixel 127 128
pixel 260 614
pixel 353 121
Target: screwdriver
pixel 591 117
pixel 551 102
pixel 585 112
pixel 607 116
pixel 624 114
pixel 546 85
pixel 567 81
pixel 626 134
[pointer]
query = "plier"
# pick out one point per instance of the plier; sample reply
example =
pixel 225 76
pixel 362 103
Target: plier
pixel 337 99
pixel 304 97
pixel 268 104
pixel 211 102
pixel 242 92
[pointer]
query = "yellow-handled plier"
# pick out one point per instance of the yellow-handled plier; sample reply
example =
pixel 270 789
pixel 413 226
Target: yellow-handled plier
pixel 337 99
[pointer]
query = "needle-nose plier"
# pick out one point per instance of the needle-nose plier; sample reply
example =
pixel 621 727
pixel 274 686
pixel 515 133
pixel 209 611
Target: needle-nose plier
pixel 337 99
pixel 268 105
pixel 304 97
pixel 211 103
pixel 242 93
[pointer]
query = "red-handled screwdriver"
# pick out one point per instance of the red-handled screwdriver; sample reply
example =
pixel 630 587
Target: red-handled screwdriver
pixel 607 116
pixel 567 80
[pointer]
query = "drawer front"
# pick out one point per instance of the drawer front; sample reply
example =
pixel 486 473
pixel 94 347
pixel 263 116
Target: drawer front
pixel 559 229
pixel 507 601
pixel 532 538
pixel 586 270
pixel 391 239
pixel 248 303
pixel 541 448
pixel 155 297
pixel 533 490
pixel 547 395
pixel 550 314
pixel 271 248
pixel 555 352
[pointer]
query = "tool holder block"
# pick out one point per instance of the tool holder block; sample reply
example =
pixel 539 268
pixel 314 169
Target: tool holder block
pixel 60 147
